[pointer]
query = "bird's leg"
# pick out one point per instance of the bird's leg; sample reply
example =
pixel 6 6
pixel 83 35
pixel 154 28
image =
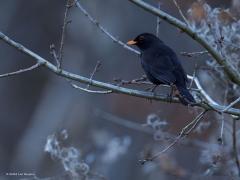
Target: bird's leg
pixel 169 96
pixel 173 92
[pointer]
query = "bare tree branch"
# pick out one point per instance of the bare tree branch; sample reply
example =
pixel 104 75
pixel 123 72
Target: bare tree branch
pixel 35 66
pixel 95 22
pixel 230 71
pixel 107 86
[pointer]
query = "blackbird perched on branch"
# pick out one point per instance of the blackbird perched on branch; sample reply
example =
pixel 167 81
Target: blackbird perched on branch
pixel 162 66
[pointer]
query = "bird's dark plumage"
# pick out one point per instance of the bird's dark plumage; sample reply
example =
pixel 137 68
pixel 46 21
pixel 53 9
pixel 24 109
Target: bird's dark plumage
pixel 162 65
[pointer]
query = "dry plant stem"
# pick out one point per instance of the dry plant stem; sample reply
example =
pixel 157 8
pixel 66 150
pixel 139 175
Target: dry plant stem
pixel 107 86
pixel 235 149
pixel 65 22
pixel 228 68
pixel 35 66
pixel 184 132
pixel 95 22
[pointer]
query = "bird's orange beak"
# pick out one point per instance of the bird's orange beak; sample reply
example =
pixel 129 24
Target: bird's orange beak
pixel 131 42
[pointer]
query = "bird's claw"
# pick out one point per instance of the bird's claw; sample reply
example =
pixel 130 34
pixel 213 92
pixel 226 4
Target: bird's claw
pixel 152 89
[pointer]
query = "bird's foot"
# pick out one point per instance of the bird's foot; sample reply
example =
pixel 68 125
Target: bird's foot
pixel 172 93
pixel 152 88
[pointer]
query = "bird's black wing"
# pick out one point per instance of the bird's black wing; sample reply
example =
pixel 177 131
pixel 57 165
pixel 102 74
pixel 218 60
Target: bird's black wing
pixel 161 68
pixel 176 66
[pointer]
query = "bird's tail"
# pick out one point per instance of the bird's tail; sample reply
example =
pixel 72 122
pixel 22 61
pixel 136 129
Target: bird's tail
pixel 185 96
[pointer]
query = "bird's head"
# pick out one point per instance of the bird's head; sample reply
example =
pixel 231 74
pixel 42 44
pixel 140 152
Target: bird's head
pixel 144 41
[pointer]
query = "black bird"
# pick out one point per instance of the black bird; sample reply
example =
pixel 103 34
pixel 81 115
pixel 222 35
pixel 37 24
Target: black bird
pixel 162 65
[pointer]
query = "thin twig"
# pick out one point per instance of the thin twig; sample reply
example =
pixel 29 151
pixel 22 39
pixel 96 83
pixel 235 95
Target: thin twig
pixel 180 12
pixel 231 104
pixel 88 85
pixel 161 152
pixel 54 54
pixel 194 54
pixel 95 22
pixel 138 81
pixel 194 76
pixel 194 124
pixel 190 126
pixel 158 21
pixel 90 91
pixel 184 132
pixel 35 66
pixel 220 139
pixel 65 22
pixel 94 71
pixel 235 149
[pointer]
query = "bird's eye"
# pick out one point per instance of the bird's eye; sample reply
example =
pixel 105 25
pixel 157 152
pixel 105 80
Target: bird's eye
pixel 141 38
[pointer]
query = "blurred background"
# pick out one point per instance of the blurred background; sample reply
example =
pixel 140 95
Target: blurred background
pixel 102 136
